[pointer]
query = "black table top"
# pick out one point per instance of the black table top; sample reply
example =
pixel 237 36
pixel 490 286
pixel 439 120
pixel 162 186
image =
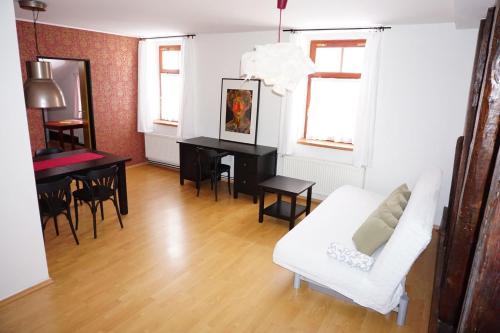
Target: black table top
pixel 286 185
pixel 231 147
pixel 107 160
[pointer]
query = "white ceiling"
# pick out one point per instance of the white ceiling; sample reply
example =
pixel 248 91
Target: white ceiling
pixel 146 18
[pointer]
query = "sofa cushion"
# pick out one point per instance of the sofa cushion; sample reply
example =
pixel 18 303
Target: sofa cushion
pixel 372 234
pixel 379 226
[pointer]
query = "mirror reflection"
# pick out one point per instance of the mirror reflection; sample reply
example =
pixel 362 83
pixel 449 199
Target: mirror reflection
pixel 70 127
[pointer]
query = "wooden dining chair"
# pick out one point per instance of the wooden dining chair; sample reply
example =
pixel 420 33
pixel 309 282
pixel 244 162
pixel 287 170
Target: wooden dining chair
pixel 54 199
pixel 210 166
pixel 98 186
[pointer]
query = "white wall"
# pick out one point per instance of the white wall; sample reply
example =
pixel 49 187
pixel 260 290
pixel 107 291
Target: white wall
pixel 22 253
pixel 424 82
pixel 218 56
pixel 423 90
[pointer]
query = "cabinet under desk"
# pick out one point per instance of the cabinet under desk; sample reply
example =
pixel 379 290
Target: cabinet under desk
pixel 252 163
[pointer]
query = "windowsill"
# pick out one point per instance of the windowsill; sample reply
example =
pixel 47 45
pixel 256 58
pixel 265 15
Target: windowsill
pixel 165 122
pixel 327 144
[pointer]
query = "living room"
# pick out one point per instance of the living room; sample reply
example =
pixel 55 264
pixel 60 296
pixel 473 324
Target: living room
pixel 193 256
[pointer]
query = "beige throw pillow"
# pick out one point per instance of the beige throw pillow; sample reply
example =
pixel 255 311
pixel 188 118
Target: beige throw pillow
pixel 379 226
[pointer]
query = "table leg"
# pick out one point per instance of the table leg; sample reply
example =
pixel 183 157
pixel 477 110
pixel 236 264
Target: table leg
pixel 61 138
pixel 72 138
pixel 261 205
pixel 308 202
pixel 292 212
pixel 278 200
pixel 122 188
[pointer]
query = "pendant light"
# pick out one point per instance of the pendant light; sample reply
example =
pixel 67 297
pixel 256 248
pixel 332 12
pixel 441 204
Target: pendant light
pixel 280 65
pixel 40 89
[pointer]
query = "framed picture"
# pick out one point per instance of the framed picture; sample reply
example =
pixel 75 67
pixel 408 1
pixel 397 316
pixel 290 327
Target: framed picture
pixel 239 110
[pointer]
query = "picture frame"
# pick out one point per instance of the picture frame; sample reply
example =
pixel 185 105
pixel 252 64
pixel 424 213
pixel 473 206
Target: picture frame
pixel 239 110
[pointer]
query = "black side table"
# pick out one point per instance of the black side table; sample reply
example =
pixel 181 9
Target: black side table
pixel 281 209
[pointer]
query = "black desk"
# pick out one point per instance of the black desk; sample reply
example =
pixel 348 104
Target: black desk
pixel 84 167
pixel 252 163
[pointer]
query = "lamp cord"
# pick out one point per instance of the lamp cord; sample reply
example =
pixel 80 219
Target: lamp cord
pixel 279 27
pixel 35 18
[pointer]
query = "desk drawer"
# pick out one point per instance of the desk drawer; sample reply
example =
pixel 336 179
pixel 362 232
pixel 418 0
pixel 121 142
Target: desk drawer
pixel 246 165
pixel 247 184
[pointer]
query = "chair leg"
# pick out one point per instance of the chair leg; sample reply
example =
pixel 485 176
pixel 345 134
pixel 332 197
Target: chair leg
pixel 102 210
pixel 229 182
pixel 94 213
pixel 44 223
pixel 68 216
pixel 117 212
pixel 76 214
pixel 78 187
pixel 56 226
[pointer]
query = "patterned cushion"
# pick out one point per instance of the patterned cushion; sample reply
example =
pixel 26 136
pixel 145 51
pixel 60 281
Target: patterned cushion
pixel 351 257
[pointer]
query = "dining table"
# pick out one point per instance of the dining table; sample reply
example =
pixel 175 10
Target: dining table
pixel 78 162
pixel 64 125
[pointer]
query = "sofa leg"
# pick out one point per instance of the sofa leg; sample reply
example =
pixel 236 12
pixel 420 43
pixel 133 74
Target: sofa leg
pixel 402 309
pixel 296 281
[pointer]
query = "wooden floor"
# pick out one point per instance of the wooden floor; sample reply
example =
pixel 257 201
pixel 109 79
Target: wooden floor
pixel 188 264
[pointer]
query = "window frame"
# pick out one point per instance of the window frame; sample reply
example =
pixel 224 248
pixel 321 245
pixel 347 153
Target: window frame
pixel 161 48
pixel 314 45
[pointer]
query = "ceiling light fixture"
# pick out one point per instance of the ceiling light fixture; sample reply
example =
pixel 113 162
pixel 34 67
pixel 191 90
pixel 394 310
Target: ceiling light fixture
pixel 40 89
pixel 280 65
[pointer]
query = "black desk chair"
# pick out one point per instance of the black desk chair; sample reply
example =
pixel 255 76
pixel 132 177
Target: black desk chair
pixel 48 151
pixel 54 198
pixel 210 166
pixel 98 186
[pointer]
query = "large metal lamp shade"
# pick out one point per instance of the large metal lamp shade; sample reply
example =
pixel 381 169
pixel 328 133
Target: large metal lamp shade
pixel 40 89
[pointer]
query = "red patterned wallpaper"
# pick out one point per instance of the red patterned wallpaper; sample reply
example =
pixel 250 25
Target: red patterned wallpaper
pixel 113 63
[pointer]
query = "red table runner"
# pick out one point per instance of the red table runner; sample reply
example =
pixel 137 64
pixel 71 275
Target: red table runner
pixel 63 161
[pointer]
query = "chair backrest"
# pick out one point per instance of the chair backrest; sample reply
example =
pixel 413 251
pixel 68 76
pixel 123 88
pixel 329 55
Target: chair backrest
pixel 411 236
pixel 106 177
pixel 54 192
pixel 48 151
pixel 207 160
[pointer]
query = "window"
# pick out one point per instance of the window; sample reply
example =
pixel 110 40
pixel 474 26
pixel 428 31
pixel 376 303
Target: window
pixel 170 83
pixel 333 92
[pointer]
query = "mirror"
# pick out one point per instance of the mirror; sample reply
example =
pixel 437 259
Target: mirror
pixel 71 127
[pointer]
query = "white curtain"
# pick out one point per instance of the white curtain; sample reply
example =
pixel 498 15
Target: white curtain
pixel 293 107
pixel 77 110
pixel 186 124
pixel 148 103
pixel 365 118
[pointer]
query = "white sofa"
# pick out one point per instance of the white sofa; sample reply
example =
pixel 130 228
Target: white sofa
pixel 303 250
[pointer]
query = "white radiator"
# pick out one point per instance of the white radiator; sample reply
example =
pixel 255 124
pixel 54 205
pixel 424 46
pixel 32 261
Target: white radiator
pixel 328 176
pixel 162 148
